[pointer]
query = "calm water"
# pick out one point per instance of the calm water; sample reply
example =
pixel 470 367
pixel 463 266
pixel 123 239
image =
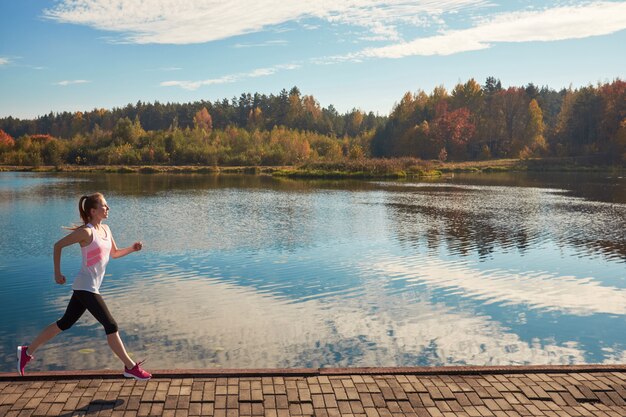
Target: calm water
pixel 244 271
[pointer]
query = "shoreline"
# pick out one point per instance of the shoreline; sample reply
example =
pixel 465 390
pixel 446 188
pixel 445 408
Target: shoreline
pixel 364 169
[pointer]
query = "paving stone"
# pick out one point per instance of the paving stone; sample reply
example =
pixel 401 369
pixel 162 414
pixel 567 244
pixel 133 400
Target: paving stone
pixel 330 401
pixel 379 401
pixel 232 402
pixel 282 402
pixel 366 400
pixel 307 409
pixel 412 395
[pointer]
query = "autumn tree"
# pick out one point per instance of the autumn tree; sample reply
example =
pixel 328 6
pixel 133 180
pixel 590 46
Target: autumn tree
pixel 355 120
pixel 613 119
pixel 6 141
pixel 468 95
pixel 127 131
pixel 203 121
pixel 311 113
pixel 535 143
pixel 255 119
pixel 395 137
pixel 451 131
pixel 510 120
pixel 78 123
pixel 295 109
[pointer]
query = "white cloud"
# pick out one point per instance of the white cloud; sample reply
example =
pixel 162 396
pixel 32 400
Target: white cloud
pixel 262 44
pixel 230 78
pixel 71 82
pixel 4 61
pixel 176 22
pixel 573 22
pixel 570 295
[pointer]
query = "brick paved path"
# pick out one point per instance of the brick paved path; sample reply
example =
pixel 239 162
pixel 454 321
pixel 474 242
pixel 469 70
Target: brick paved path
pixel 505 392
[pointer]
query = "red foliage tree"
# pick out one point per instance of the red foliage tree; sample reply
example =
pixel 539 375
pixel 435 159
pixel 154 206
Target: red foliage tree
pixel 6 139
pixel 452 130
pixel 203 120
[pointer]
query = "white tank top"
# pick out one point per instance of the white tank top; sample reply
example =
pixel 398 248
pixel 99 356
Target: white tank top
pixel 95 260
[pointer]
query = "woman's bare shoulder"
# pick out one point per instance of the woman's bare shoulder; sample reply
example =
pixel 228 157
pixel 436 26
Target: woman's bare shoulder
pixel 82 231
pixel 79 234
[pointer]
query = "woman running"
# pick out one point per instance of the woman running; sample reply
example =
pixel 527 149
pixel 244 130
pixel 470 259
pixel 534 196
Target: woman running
pixel 97 245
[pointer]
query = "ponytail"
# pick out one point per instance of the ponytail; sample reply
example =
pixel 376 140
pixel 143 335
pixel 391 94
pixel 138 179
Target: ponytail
pixel 81 210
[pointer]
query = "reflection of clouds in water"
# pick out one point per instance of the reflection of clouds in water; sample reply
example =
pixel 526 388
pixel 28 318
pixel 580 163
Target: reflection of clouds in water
pixel 579 296
pixel 614 355
pixel 206 323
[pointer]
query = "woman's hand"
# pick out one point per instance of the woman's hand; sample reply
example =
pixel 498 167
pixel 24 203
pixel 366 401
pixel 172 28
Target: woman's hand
pixel 59 278
pixel 118 253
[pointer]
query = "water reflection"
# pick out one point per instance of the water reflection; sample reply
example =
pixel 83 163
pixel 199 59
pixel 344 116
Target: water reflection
pixel 534 289
pixel 253 271
pixel 200 321
pixel 605 187
pixel 482 220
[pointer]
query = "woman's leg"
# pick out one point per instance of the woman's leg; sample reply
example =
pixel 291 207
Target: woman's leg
pixel 74 310
pixel 45 335
pixel 117 346
pixel 97 307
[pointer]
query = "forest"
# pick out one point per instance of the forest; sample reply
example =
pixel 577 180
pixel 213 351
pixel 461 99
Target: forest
pixel 470 122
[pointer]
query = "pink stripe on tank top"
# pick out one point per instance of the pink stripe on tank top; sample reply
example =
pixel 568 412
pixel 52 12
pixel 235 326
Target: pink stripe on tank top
pixel 94 260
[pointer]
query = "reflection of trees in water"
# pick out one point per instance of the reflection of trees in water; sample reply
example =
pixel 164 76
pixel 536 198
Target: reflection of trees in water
pixel 480 222
pixel 518 214
pixel 599 186
pixel 610 249
pixel 149 184
pixel 462 231
pixel 592 228
pixel 144 185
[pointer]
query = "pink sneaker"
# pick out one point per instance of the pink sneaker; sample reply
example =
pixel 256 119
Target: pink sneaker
pixel 22 359
pixel 137 372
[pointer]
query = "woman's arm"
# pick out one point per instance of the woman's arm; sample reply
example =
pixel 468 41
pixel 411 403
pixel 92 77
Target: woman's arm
pixel 118 253
pixel 79 235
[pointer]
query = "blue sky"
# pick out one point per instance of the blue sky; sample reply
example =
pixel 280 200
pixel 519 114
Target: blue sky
pixel 75 55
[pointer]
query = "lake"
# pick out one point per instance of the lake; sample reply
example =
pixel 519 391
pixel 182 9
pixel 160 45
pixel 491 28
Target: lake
pixel 258 272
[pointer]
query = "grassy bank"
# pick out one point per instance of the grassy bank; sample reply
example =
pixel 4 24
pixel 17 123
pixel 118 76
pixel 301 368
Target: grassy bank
pixel 364 169
pixel 357 169
pixel 144 169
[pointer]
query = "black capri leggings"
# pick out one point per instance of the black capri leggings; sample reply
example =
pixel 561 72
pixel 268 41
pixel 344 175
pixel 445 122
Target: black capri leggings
pixel 85 300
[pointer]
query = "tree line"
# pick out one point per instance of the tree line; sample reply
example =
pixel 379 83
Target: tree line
pixel 290 109
pixel 471 122
pixel 487 121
